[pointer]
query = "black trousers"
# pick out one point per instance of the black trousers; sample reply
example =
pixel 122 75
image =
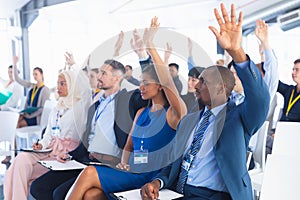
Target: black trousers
pixel 201 193
pixel 53 185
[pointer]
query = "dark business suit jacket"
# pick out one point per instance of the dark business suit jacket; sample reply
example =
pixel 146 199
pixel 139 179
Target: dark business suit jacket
pixel 233 127
pixel 126 106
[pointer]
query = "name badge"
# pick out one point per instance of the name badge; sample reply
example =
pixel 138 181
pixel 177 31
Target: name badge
pixel 91 136
pixel 140 156
pixel 186 163
pixel 55 131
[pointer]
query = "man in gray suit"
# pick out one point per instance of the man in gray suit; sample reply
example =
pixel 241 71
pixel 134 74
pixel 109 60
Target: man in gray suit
pixel 210 149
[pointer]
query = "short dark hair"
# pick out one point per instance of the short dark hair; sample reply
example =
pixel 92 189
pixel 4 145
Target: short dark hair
pixel 195 71
pixel 297 61
pixel 10 67
pixel 226 76
pixel 115 65
pixel 96 70
pixel 129 67
pixel 175 65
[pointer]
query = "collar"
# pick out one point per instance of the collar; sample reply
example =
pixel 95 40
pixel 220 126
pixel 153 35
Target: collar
pixel 215 111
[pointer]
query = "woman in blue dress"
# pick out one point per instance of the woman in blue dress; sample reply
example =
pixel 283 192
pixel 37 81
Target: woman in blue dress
pixel 149 141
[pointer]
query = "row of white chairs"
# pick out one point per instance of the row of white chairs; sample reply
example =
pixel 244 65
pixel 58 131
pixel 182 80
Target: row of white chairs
pixel 9 133
pixel 285 146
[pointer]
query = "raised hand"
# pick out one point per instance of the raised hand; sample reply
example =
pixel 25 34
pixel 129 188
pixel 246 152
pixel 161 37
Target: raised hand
pixel 150 32
pixel 168 52
pixel 119 44
pixel 230 34
pixel 15 60
pixel 69 59
pixel 262 34
pixel 138 46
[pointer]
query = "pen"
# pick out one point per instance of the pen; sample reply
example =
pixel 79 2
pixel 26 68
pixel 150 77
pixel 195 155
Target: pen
pixel 37 142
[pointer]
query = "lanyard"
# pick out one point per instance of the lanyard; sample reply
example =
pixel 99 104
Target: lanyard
pixel 35 89
pixel 56 120
pixel 94 94
pixel 291 103
pixel 98 113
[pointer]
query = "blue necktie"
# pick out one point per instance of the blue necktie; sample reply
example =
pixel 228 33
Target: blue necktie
pixel 194 148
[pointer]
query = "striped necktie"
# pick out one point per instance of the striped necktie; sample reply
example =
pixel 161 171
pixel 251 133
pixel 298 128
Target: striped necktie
pixel 193 150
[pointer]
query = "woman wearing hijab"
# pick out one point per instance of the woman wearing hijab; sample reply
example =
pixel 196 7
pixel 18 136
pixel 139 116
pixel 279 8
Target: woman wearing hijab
pixel 66 124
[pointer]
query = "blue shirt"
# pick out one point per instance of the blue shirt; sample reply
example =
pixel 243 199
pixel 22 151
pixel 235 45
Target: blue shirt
pixel 205 171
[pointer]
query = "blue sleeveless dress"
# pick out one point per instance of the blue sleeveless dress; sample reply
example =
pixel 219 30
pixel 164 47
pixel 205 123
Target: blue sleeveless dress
pixel 153 133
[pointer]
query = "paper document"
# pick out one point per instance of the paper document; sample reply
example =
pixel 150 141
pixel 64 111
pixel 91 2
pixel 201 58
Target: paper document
pixel 36 151
pixel 29 110
pixel 4 96
pixel 56 165
pixel 164 194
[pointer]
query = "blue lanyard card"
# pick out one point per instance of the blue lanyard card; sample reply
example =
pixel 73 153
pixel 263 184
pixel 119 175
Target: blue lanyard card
pixel 140 156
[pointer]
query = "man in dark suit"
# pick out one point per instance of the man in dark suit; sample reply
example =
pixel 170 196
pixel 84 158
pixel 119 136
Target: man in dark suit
pixel 55 184
pixel 210 151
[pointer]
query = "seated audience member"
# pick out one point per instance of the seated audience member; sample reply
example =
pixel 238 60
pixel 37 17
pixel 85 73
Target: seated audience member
pixel 12 86
pixel 105 135
pixel 96 92
pixel 291 94
pixel 210 145
pixel 63 133
pixel 269 69
pixel 189 99
pixel 173 68
pixel 153 130
pixel 129 77
pixel 36 96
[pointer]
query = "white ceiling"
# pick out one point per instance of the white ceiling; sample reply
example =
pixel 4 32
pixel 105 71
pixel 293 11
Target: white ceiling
pixel 8 7
pixel 199 8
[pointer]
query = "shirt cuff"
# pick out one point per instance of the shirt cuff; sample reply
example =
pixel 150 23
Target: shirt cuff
pixel 144 59
pixel 242 65
pixel 161 183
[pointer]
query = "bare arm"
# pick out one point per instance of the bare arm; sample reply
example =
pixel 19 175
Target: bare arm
pixel 118 44
pixel 22 82
pixel 128 146
pixel 177 106
pixel 168 52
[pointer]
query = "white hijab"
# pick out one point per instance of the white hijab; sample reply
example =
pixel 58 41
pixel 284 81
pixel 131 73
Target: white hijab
pixel 75 86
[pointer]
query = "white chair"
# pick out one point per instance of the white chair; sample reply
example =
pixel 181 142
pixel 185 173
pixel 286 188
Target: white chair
pixel 32 133
pixel 259 157
pixel 281 178
pixel 8 124
pixel 286 140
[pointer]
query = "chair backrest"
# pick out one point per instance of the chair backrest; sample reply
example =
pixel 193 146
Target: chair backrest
pixel 48 106
pixel 8 124
pixel 259 153
pixel 287 137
